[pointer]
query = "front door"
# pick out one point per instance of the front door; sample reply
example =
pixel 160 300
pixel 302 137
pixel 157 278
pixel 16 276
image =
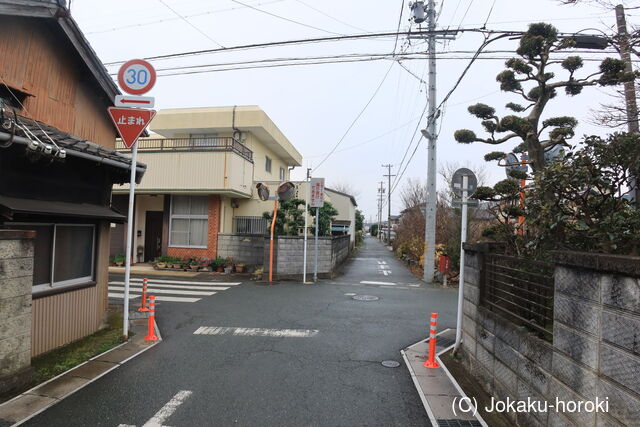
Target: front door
pixel 152 235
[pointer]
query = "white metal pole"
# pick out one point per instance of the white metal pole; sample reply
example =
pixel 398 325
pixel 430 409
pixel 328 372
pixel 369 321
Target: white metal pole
pixel 315 268
pixel 130 221
pixel 463 238
pixel 431 202
pixel 306 221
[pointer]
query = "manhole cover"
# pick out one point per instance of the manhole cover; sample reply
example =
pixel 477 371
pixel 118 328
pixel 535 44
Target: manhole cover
pixel 390 364
pixel 365 298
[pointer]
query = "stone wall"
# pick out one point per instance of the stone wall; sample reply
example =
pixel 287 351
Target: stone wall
pixel 16 281
pixel 246 249
pixel 595 351
pixel 289 255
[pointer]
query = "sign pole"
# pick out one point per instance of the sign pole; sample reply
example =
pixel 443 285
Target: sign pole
pixel 306 222
pixel 463 238
pixel 130 220
pixel 315 268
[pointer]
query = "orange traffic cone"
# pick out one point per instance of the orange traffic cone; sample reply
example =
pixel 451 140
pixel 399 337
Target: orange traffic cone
pixel 431 362
pixel 151 333
pixel 143 306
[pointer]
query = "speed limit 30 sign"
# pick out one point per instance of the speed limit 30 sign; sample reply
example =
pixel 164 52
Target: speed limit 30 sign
pixel 136 77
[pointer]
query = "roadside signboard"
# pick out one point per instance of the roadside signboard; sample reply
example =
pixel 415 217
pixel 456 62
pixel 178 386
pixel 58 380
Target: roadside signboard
pixel 136 77
pixel 130 122
pixel 133 101
pixel 317 193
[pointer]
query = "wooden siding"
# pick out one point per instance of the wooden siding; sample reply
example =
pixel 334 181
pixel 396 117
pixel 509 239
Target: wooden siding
pixel 37 59
pixel 63 318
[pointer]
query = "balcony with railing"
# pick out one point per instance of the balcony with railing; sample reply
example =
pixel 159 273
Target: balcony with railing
pixel 168 145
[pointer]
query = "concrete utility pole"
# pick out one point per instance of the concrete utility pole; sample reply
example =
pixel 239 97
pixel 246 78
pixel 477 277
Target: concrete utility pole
pixel 380 198
pixel 389 166
pixel 430 223
pixel 629 87
pixel 306 223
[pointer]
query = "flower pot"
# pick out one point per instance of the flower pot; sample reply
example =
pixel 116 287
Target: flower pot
pixel 179 266
pixel 161 265
pixel 239 268
pixel 119 264
pixel 227 270
pixel 194 267
pixel 220 269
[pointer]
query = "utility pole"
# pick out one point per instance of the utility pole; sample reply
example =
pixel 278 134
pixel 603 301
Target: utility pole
pixel 380 198
pixel 629 88
pixel 389 166
pixel 306 222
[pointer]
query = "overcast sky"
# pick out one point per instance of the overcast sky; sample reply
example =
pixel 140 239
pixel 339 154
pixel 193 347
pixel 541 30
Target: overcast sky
pixel 314 105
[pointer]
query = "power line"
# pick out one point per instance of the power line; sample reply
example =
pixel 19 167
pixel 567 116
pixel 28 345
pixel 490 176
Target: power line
pixel 189 23
pixel 395 44
pixel 489 15
pixel 356 119
pixel 465 14
pixel 330 17
pixel 309 40
pixel 283 18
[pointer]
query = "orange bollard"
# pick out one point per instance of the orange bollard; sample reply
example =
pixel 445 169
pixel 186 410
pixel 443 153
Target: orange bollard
pixel 143 306
pixel 151 334
pixel 431 362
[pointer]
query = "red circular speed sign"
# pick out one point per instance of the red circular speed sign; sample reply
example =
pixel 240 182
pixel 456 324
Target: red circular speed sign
pixel 136 77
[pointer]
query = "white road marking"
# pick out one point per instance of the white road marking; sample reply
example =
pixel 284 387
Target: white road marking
pixel 385 267
pixel 164 291
pixel 378 283
pixel 350 294
pixel 255 332
pixel 386 272
pixel 117 295
pixel 177 299
pixel 393 287
pixel 186 282
pixel 167 410
pixel 154 286
pixel 415 286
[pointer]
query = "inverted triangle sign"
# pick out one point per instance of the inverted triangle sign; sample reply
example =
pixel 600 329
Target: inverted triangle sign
pixel 130 122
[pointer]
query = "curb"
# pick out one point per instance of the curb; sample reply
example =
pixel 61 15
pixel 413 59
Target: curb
pixel 36 400
pixel 423 396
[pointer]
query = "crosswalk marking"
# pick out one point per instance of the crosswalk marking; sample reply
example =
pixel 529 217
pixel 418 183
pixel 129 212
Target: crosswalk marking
pixel 154 286
pixel 187 282
pixel 164 291
pixel 170 290
pixel 364 282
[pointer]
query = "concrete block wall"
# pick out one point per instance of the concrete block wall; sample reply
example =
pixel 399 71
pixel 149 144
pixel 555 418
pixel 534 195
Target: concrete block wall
pixel 245 249
pixel 596 346
pixel 16 281
pixel 289 255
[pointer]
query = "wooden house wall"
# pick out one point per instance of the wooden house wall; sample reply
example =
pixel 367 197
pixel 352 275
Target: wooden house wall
pixel 35 58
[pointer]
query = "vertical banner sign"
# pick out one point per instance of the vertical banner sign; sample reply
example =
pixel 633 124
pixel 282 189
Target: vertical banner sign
pixel 135 77
pixel 317 201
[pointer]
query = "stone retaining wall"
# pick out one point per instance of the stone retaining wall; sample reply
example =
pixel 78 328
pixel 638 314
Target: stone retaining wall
pixel 595 351
pixel 245 249
pixel 16 281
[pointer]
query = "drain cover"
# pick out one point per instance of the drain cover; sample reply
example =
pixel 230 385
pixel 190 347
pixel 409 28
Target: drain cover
pixel 390 364
pixel 365 298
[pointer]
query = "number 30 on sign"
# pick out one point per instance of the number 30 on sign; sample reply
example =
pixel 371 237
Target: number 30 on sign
pixel 136 77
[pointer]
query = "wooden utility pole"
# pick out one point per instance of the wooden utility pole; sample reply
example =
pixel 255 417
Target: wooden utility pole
pixel 629 89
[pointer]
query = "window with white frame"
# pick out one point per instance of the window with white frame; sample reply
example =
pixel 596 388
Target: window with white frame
pixel 282 174
pixel 189 221
pixel 267 164
pixel 64 254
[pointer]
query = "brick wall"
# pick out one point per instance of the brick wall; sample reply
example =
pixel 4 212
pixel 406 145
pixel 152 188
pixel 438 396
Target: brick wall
pixel 595 351
pixel 212 235
pixel 16 281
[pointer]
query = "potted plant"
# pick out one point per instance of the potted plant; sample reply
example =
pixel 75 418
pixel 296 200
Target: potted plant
pixel 194 263
pixel 176 262
pixel 140 252
pixel 218 264
pixel 228 265
pixel 240 268
pixel 161 262
pixel 119 259
pixel 112 261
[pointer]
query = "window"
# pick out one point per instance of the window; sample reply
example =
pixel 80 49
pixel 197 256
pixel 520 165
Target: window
pixel 282 174
pixel 189 221
pixel 267 164
pixel 64 254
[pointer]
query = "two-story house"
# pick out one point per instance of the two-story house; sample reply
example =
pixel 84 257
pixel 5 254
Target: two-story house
pixel 202 166
pixel 57 167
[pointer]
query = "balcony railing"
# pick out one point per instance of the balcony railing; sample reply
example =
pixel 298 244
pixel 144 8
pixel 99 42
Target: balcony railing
pixel 189 144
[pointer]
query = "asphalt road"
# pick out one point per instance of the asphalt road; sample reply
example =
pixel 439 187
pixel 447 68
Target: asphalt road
pixel 333 377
